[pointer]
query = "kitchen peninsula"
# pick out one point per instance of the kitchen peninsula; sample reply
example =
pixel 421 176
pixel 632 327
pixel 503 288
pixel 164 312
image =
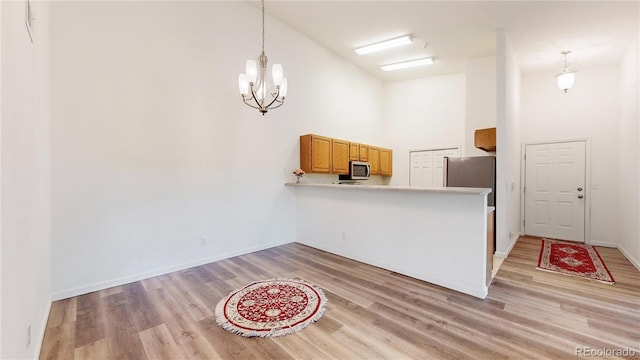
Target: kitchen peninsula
pixel 438 235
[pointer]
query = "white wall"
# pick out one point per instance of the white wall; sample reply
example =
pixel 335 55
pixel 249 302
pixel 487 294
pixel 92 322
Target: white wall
pixel 157 163
pixel 508 146
pixel 629 156
pixel 422 114
pixel 0 179
pixel 590 110
pixel 26 182
pixel 480 101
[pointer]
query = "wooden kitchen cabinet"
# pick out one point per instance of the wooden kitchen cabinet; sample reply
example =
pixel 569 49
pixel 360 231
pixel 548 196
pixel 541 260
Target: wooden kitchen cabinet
pixel 374 160
pixel 340 156
pixel 386 162
pixel 485 139
pixel 354 151
pixel 315 154
pixel 325 155
pixel 364 153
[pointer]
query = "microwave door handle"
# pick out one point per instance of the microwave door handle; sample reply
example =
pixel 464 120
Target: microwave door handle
pixel 368 171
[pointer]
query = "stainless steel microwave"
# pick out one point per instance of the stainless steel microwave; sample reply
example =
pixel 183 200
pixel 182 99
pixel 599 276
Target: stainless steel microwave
pixel 358 170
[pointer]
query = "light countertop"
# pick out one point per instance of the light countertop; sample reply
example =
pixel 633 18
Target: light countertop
pixel 445 190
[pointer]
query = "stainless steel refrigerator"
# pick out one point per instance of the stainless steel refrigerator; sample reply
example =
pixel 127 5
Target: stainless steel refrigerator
pixel 475 171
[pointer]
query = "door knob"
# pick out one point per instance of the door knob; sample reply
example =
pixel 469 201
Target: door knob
pixel 580 196
pixel 579 189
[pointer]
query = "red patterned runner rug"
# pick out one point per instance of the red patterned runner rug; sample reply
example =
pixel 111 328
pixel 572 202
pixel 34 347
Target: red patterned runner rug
pixel 574 259
pixel 271 308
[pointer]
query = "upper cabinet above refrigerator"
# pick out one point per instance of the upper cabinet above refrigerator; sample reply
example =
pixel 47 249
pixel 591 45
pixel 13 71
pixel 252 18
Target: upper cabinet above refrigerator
pixel 485 139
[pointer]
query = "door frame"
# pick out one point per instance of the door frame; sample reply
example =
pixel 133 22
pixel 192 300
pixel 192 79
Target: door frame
pixel 587 179
pixel 458 147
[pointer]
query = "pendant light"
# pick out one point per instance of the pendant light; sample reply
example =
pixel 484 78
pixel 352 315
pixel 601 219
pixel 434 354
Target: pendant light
pixel 567 77
pixel 255 87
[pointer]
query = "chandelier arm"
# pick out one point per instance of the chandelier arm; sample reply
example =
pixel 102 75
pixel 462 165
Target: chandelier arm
pixel 274 99
pixel 280 103
pixel 255 98
pixel 246 101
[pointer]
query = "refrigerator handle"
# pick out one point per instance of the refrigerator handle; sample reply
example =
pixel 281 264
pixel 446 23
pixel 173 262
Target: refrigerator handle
pixel 445 170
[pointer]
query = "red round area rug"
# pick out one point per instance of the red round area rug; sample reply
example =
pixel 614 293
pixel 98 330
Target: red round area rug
pixel 271 308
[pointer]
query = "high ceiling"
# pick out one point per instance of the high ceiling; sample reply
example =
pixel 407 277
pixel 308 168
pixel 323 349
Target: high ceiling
pixel 597 32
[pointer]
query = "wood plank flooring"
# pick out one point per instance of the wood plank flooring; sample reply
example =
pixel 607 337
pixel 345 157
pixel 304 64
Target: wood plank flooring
pixel 372 313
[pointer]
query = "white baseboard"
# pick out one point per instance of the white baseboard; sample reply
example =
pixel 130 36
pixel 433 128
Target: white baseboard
pixel 59 295
pixel 631 259
pixel 43 328
pixel 603 244
pixel 514 240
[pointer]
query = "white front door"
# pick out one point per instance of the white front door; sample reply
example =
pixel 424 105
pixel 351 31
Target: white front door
pixel 427 167
pixel 555 190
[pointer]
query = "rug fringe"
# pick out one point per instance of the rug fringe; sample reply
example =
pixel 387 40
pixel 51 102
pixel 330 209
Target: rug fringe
pixel 575 276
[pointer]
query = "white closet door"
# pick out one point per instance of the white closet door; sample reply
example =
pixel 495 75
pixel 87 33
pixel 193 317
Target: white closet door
pixel 421 169
pixel 427 167
pixel 438 173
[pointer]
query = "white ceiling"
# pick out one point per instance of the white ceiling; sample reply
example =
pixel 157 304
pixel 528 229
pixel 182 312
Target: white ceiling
pixel 597 32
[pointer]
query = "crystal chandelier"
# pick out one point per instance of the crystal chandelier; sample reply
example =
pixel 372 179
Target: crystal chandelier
pixel 567 77
pixel 254 85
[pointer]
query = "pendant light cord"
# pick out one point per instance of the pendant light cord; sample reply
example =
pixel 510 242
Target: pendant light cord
pixel 565 53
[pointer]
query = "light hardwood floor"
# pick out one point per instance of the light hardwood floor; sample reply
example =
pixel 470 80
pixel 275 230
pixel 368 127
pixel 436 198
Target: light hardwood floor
pixel 371 314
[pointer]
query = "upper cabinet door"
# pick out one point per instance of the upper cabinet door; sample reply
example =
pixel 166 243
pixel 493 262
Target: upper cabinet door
pixel 354 151
pixel 374 160
pixel 485 139
pixel 315 154
pixel 386 162
pixel 364 153
pixel 340 151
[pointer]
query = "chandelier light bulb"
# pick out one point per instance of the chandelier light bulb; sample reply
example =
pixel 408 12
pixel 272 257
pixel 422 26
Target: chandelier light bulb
pixel 262 92
pixel 252 71
pixel 283 88
pixel 277 74
pixel 243 84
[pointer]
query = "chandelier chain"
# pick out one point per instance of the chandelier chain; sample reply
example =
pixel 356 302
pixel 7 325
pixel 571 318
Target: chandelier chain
pixel 263 26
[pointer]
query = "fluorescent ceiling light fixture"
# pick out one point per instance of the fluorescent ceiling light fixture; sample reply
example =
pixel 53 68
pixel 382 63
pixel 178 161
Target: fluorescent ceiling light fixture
pixel 383 45
pixel 408 64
